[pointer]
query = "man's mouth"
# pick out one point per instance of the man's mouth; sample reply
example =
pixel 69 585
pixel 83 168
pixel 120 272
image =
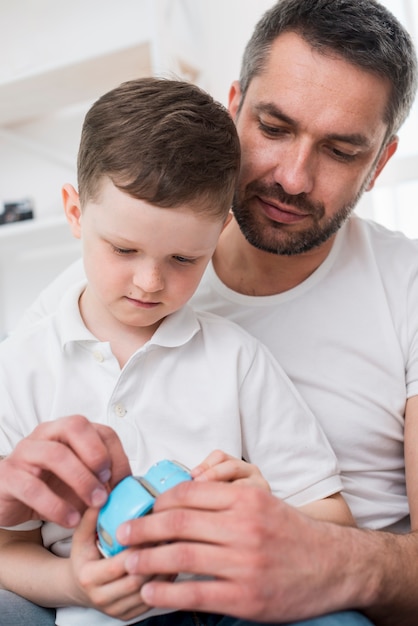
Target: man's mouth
pixel 282 213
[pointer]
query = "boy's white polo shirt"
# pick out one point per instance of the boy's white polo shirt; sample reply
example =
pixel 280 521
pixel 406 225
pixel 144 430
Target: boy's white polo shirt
pixel 199 384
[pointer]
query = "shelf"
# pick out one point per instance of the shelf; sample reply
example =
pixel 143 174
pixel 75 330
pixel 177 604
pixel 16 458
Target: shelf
pixel 15 230
pixel 40 94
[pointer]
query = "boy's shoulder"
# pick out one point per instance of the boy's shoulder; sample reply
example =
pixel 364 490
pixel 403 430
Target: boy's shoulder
pixel 227 335
pixel 35 337
pixel 218 324
pixel 28 339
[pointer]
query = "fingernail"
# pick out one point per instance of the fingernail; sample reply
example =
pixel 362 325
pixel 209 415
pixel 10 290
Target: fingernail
pixel 200 477
pixel 105 475
pixel 131 563
pixel 123 533
pixel 73 519
pixel 98 497
pixel 146 593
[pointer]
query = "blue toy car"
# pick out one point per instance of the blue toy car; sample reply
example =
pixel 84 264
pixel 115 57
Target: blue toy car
pixel 134 497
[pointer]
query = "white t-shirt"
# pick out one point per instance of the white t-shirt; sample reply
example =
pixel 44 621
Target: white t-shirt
pixel 200 383
pixel 348 338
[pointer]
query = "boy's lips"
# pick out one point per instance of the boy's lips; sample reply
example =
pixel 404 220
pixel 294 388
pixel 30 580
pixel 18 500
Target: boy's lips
pixel 283 213
pixel 142 303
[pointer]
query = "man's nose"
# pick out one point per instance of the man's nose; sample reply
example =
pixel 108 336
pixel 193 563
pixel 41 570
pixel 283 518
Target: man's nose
pixel 295 170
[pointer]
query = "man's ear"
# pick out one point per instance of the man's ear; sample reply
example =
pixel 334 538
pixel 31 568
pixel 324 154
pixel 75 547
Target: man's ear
pixel 387 153
pixel 234 99
pixel 72 210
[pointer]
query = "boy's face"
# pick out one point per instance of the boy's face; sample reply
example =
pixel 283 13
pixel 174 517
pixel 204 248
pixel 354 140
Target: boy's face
pixel 142 262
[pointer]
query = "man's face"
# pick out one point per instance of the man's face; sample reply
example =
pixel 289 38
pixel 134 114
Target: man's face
pixel 311 129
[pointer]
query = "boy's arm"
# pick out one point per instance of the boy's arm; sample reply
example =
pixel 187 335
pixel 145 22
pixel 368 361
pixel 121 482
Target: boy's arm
pixel 332 509
pixel 411 458
pixel 84 579
pixel 219 466
pixel 394 558
pixel 28 569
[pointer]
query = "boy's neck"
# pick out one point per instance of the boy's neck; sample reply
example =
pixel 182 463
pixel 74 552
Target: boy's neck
pixel 247 270
pixel 124 340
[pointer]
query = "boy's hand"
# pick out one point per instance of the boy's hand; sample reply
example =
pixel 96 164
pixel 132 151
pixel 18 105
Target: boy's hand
pixel 222 467
pixel 99 583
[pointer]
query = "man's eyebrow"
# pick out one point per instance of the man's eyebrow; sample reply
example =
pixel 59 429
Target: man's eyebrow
pixel 274 111
pixel 355 139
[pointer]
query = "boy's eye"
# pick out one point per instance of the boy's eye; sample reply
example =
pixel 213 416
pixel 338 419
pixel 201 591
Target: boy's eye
pixel 122 251
pixel 183 260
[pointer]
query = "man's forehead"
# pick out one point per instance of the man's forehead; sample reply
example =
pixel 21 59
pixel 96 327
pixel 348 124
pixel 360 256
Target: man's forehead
pixel 304 84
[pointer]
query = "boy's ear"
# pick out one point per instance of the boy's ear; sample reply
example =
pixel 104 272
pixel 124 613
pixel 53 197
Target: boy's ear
pixel 72 210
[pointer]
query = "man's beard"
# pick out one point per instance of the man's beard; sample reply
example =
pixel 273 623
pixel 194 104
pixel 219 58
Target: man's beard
pixel 278 238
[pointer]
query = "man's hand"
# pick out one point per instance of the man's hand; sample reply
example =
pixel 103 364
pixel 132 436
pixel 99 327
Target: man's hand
pixel 61 468
pixel 267 561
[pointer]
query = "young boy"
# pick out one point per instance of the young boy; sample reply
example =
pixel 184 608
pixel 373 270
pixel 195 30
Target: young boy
pixel 157 167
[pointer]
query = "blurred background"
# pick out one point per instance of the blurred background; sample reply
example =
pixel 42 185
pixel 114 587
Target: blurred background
pixel 57 57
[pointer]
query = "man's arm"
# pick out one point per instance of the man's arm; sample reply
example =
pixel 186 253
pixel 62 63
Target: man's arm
pixel 58 470
pixel 270 562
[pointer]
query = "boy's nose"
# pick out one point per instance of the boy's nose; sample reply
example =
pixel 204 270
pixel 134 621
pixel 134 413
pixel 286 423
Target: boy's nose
pixel 149 278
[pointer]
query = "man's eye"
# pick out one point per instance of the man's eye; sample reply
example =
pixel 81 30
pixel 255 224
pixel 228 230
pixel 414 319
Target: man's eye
pixel 272 131
pixel 342 156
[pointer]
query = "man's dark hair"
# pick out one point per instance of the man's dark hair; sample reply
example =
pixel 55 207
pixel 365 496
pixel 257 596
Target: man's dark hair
pixel 362 32
pixel 163 141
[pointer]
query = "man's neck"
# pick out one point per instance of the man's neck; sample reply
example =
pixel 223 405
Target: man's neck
pixel 247 270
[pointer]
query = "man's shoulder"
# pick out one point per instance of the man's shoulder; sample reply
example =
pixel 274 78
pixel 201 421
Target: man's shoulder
pixel 380 237
pixel 392 253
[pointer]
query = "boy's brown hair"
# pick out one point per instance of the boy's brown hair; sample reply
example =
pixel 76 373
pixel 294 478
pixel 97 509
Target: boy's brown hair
pixel 163 141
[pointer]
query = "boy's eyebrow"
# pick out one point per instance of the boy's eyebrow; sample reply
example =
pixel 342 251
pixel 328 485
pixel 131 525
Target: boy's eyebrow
pixel 356 139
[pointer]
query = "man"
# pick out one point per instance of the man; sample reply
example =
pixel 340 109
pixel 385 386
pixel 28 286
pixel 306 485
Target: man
pixel 324 87
pixel 57 471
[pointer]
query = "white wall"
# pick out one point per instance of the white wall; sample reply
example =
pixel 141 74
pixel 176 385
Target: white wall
pixel 58 56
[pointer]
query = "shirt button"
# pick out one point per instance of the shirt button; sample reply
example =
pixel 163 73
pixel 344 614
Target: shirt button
pixel 120 410
pixel 98 356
